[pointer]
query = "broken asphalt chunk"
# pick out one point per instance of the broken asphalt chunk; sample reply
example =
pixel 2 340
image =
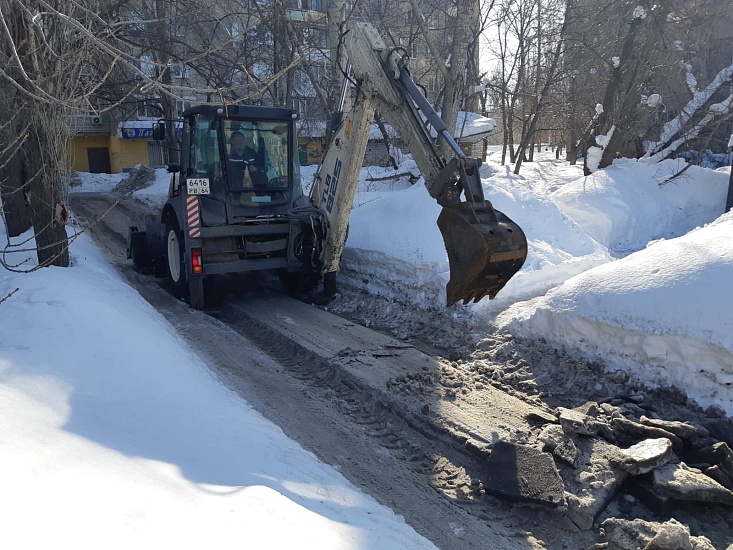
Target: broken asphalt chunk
pixel 622 534
pixel 591 486
pixel 561 444
pixel 574 422
pixel 524 474
pixel 681 482
pixel 685 430
pixel 644 456
pixel 637 431
pixel 540 416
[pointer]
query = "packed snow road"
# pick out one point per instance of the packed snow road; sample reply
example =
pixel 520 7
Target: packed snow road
pixel 411 413
pixel 338 416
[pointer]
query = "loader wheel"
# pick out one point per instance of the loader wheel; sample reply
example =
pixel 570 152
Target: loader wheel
pixel 175 261
pixel 298 282
pixel 137 251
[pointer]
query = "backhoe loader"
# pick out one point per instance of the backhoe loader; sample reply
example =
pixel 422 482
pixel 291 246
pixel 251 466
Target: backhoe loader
pixel 236 211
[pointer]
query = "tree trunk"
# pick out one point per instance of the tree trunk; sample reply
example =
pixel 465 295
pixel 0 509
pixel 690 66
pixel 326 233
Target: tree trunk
pixel 465 30
pixel 12 169
pixel 13 191
pixel 542 96
pixel 167 103
pixel 13 173
pixel 729 201
pixel 48 212
pixel 622 87
pixel 571 148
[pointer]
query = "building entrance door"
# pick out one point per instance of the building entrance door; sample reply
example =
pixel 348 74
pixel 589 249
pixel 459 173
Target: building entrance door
pixel 99 160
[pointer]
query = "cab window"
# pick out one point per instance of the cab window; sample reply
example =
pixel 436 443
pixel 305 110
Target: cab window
pixel 205 155
pixel 258 161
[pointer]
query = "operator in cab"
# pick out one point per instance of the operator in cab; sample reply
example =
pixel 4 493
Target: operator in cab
pixel 246 166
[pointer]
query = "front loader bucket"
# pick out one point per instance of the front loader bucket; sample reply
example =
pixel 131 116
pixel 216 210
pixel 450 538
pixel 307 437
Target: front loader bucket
pixel 485 249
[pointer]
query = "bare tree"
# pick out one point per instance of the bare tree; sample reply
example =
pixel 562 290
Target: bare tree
pixel 59 59
pixel 13 172
pixel 460 36
pixel 697 115
pixel 546 72
pixel 513 24
pixel 44 51
pixel 635 89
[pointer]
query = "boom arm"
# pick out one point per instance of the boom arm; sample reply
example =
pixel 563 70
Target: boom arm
pixel 484 247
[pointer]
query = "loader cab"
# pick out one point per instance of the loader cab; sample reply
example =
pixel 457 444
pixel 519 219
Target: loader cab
pixel 243 158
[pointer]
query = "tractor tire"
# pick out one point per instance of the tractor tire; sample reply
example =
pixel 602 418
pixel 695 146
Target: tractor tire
pixel 298 282
pixel 139 254
pixel 175 261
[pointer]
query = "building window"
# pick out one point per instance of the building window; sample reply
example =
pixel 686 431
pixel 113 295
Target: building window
pixel 410 18
pixel 179 71
pixel 147 65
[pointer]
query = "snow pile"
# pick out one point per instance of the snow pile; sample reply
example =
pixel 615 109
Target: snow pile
pixel 115 435
pixel 629 204
pixel 96 183
pixel 395 247
pixel 663 313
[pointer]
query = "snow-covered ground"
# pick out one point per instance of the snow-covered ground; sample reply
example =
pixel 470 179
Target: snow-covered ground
pixel 113 435
pixel 638 264
pixel 116 436
pixel 632 265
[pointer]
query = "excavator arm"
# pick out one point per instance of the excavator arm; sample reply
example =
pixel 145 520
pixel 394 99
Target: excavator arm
pixel 485 248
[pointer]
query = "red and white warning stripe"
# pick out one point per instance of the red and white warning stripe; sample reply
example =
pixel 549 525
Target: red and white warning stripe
pixel 194 219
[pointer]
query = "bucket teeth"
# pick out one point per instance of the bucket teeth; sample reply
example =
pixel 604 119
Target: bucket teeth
pixel 485 250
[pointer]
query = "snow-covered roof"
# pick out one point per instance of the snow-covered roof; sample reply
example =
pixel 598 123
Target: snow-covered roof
pixel 471 127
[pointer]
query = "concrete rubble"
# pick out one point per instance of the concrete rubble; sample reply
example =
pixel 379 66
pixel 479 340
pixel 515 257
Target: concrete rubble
pixel 644 457
pixel 601 451
pixel 681 482
pixel 621 534
pixel 524 474
pixel 582 462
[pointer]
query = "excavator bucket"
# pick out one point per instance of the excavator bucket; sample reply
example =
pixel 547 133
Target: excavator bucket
pixel 485 249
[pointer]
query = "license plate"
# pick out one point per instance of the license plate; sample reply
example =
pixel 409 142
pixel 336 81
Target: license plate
pixel 197 186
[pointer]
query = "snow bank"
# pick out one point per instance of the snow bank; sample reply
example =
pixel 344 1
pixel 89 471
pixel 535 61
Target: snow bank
pixel 663 313
pixel 631 203
pixel 395 247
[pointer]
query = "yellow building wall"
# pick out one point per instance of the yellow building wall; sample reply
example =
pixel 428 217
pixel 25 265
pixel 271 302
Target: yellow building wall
pixel 126 153
pixel 123 153
pixel 79 160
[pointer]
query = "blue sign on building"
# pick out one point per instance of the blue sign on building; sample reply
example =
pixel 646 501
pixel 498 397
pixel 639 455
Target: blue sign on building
pixel 143 133
pixel 137 133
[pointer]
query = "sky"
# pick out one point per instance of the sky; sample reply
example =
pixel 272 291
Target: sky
pixel 116 445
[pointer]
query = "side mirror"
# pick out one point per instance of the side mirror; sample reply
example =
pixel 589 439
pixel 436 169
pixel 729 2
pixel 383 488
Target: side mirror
pixel 158 131
pixel 173 168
